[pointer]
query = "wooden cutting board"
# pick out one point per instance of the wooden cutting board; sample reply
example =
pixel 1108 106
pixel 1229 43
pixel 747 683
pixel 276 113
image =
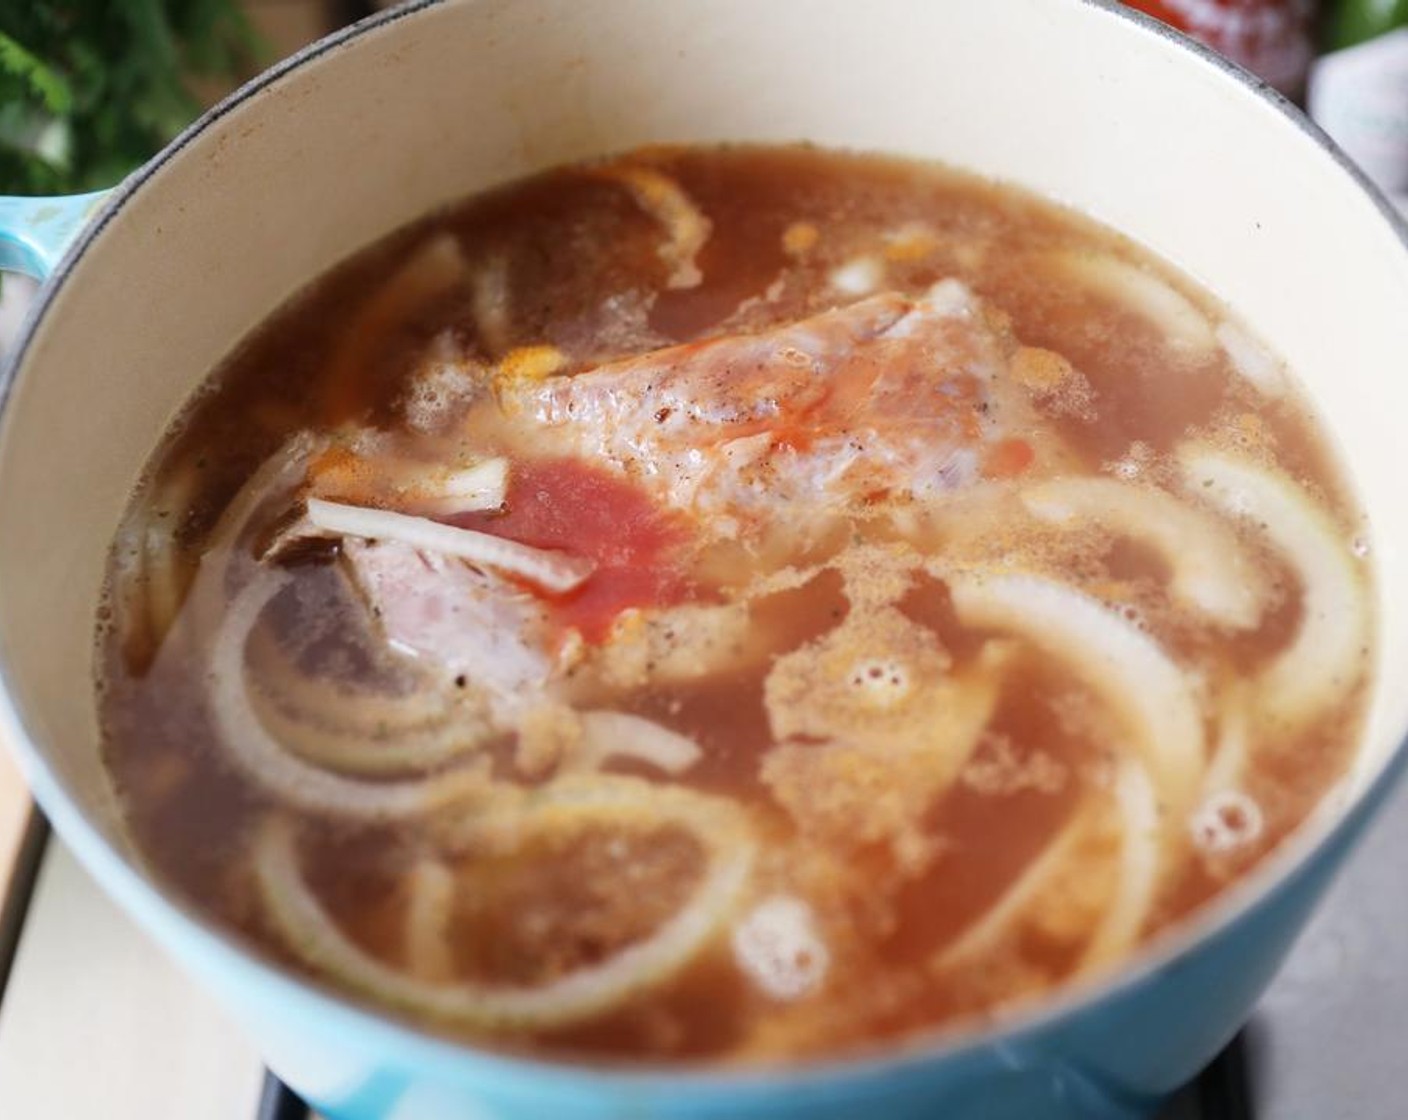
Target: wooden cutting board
pixel 96 1023
pixel 16 814
pixel 80 983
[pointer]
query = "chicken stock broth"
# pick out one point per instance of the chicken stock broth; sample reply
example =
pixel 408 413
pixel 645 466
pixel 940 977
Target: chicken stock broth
pixel 732 604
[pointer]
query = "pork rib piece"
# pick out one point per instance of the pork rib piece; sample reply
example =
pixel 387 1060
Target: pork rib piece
pixel 889 397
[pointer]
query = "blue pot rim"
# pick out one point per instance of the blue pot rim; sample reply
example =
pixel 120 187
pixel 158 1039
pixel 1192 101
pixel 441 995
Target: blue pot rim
pixel 140 892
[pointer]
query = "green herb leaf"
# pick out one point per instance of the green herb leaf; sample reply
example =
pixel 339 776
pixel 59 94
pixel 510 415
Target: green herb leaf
pixel 89 89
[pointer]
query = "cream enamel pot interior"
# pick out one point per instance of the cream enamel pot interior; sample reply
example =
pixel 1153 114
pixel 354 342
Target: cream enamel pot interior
pixel 371 128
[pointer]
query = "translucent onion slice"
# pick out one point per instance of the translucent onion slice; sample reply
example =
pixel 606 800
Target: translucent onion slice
pixel 276 478
pixel 995 923
pixel 413 486
pixel 432 271
pixel 490 303
pixel 1184 327
pixel 1223 801
pixel 1211 571
pixel 329 740
pixel 165 576
pixel 1123 914
pixel 1149 693
pixel 1252 360
pixel 365 729
pixel 132 619
pixel 1138 877
pixel 553 571
pixel 1233 746
pixel 608 735
pixel 480 487
pixel 686 227
pixel 567 803
pixel 429 907
pixel 1322 662
pixel 341 706
pixel 261 757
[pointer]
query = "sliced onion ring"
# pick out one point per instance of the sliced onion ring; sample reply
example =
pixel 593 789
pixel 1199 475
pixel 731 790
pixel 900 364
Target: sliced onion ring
pixel 332 742
pixel 163 573
pixel 468 490
pixel 1261 369
pixel 1232 750
pixel 1323 661
pixel 430 903
pixel 276 478
pixel 1149 693
pixel 412 485
pixel 435 269
pixel 1124 913
pixel 589 991
pixel 346 706
pixel 553 571
pixel 1184 327
pixel 611 735
pixel 992 927
pixel 263 759
pixel 665 200
pixel 1138 876
pixel 1211 571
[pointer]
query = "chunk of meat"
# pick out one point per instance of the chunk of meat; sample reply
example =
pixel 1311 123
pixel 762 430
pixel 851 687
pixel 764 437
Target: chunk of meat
pixel 888 397
pixel 467 623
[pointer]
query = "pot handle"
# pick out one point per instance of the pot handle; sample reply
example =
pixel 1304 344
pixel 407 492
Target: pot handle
pixel 35 232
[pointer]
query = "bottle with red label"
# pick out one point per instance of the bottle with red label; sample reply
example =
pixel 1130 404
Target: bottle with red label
pixel 1271 38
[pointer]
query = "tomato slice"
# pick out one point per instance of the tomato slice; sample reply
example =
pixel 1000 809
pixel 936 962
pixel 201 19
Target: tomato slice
pixel 568 504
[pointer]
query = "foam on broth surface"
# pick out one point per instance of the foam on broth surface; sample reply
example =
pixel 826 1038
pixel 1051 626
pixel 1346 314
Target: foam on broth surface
pixel 733 604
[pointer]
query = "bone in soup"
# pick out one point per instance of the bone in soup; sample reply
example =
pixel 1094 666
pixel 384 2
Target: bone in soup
pixel 732 604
